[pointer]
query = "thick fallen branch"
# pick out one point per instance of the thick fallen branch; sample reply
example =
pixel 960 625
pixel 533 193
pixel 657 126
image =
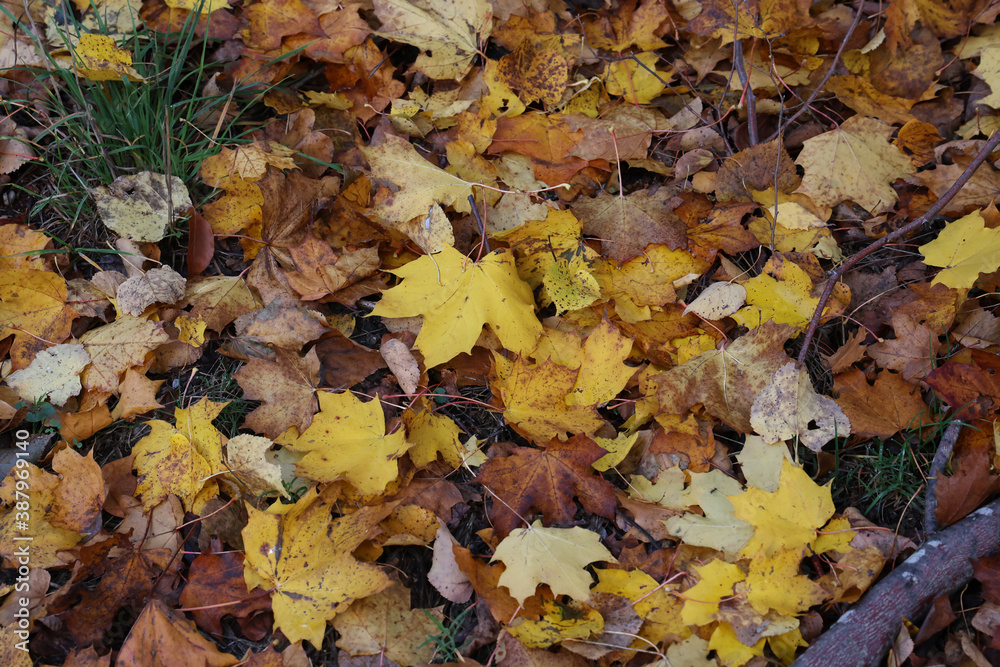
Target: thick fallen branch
pixel 863 635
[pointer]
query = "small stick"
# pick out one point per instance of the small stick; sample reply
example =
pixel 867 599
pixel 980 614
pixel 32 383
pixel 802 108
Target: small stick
pixel 941 457
pixel 751 99
pixel 829 73
pixel 479 221
pixel 849 264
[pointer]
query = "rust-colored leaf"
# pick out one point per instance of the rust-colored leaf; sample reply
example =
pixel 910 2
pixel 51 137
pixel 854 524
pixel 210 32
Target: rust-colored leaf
pixel 546 480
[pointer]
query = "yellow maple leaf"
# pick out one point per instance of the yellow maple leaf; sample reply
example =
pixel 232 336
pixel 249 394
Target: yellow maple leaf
pixel 692 652
pixel 457 296
pixel 651 279
pixel 239 209
pixel 787 518
pixel 554 556
pixel 653 602
pixel 448 31
pixel 195 422
pixel 964 249
pixel 432 434
pixel 854 162
pixel 347 440
pixel 785 301
pixel 414 209
pixel 539 243
pixel 200 6
pixel 603 373
pixel 534 399
pixel 617 449
pixel 777 583
pixel 98 58
pixel 570 285
pixel 60 511
pixel 636 83
pixel 33 309
pixel 247 460
pixel 166 463
pixel 715 582
pixel 989 69
pixel 551 252
pixel 729 649
pixel 307 560
pixel 250 161
pixel 558 623
pixel 719 528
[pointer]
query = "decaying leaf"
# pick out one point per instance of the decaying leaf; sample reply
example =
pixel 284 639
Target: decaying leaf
pixel 53 375
pixel 141 207
pixel 788 407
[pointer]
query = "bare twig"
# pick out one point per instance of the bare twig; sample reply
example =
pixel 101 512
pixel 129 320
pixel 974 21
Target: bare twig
pixel 479 222
pixel 940 460
pixel 851 262
pixel 741 66
pixel 826 77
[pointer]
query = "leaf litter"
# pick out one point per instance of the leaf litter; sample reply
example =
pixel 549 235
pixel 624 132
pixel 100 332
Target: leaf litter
pixel 515 293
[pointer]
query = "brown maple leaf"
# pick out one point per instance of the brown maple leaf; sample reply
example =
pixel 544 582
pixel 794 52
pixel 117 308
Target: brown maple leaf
pixel 216 588
pixel 547 480
pixel 972 389
pixel 626 225
pixel 970 484
pixel 287 388
pixel 287 208
pixel 726 380
pixel 882 410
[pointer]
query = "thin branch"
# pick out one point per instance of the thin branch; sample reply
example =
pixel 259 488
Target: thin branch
pixel 826 77
pixel 940 460
pixel 741 66
pixel 850 263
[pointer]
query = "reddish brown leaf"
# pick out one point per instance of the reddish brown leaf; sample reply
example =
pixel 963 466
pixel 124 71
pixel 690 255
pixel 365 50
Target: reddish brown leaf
pixel 201 243
pixel 344 362
pixel 547 480
pixel 128 581
pixel 964 490
pixel 215 582
pixel 987 571
pixel 973 390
